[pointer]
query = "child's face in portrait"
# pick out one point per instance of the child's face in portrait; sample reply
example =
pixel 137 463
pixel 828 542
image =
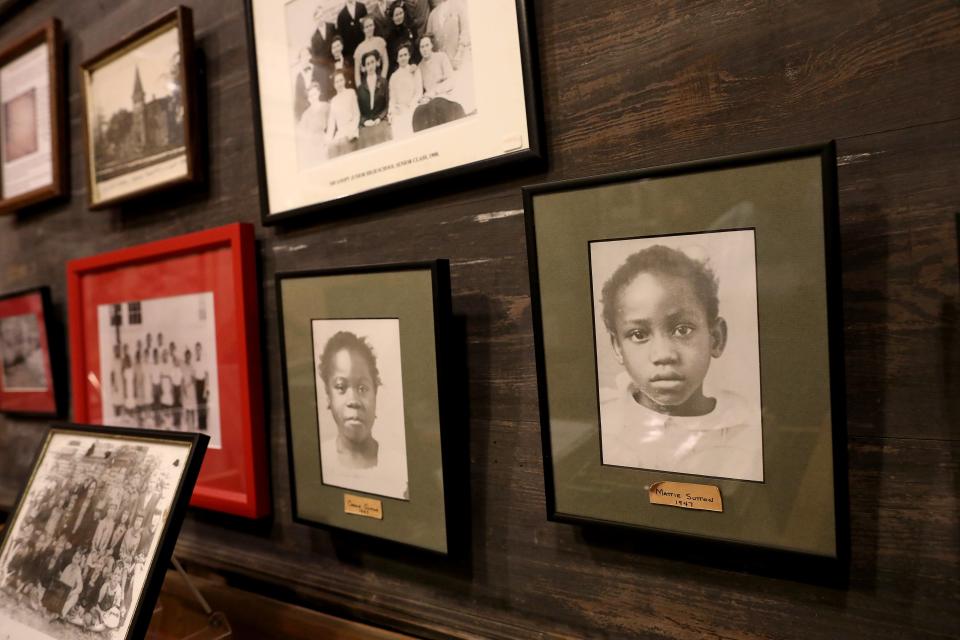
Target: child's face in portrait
pixel 664 340
pixel 353 396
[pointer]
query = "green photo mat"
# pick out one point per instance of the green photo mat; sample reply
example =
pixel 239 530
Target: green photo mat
pixel 783 201
pixel 406 294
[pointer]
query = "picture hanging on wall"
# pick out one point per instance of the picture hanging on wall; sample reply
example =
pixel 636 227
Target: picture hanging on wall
pixel 31 365
pixel 140 112
pixel 355 98
pixel 33 140
pixel 368 396
pixel 86 550
pixel 689 349
pixel 165 336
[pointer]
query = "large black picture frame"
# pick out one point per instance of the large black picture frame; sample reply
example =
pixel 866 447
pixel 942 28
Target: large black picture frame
pixel 701 526
pixel 533 156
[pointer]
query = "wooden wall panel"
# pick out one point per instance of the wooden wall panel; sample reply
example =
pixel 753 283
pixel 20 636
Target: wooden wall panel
pixel 626 85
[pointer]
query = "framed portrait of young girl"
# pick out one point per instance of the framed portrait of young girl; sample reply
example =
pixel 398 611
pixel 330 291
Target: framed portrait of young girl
pixel 689 350
pixel 164 336
pixel 86 548
pixel 368 399
pixel 33 139
pixel 355 98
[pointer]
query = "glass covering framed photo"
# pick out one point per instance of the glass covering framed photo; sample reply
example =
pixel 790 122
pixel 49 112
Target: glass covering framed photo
pixel 367 391
pixel 33 141
pixel 31 367
pixel 165 336
pixel 359 97
pixel 688 339
pixel 87 547
pixel 140 118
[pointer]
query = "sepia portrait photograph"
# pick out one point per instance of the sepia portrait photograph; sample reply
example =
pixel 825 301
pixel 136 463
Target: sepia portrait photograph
pixel 360 405
pixel 20 126
pixel 158 365
pixel 136 115
pixel 365 73
pixel 677 353
pixel 81 544
pixel 21 350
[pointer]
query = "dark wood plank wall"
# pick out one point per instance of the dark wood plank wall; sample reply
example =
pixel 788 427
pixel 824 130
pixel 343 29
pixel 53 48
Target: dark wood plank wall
pixel 626 84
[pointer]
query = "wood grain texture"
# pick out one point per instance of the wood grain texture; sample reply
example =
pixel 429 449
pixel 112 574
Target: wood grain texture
pixel 637 84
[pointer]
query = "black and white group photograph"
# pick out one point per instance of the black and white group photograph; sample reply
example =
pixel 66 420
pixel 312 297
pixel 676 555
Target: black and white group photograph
pixel 135 109
pixel 158 363
pixel 74 563
pixel 678 359
pixel 21 350
pixel 364 73
pixel 360 405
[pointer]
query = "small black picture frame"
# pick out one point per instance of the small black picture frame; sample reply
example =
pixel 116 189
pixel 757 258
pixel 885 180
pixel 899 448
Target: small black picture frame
pixel 79 450
pixel 416 296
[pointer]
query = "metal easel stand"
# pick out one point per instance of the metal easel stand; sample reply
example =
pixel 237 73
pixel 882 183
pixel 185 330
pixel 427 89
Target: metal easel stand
pixel 217 626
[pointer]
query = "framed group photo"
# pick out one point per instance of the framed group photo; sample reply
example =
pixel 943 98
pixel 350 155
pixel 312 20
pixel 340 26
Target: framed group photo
pixel 364 365
pixel 31 365
pixel 164 336
pixel 359 97
pixel 689 351
pixel 33 139
pixel 140 115
pixel 86 549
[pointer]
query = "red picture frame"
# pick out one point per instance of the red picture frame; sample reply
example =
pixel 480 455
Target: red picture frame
pixel 222 261
pixel 32 401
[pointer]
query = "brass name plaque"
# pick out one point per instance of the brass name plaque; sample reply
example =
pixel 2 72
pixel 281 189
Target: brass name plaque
pixel 366 507
pixel 685 495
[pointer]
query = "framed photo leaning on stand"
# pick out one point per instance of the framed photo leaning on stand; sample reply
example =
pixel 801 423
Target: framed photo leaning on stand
pixel 688 339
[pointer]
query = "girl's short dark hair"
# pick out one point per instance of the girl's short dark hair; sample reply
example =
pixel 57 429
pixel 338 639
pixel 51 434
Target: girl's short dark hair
pixel 351 342
pixel 375 54
pixel 661 260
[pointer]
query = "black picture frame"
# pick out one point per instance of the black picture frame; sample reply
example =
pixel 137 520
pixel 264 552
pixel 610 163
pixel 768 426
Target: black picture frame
pixel 736 551
pixel 533 157
pixel 452 443
pixel 56 399
pixel 156 571
pixel 181 18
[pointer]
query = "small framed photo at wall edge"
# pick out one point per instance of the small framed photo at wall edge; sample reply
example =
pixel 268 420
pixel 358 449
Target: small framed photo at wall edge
pixel 33 141
pixel 689 349
pixel 367 399
pixel 31 366
pixel 87 547
pixel 354 98
pixel 164 336
pixel 140 112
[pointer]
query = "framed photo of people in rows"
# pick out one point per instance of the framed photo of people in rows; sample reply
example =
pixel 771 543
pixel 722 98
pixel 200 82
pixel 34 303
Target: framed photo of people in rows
pixel 688 349
pixel 86 549
pixel 164 336
pixel 33 119
pixel 368 395
pixel 358 97
pixel 32 380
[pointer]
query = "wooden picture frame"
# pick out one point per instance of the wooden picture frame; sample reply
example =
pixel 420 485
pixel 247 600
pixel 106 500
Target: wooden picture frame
pixel 32 311
pixel 151 142
pixel 617 264
pixel 498 123
pixel 45 150
pixel 398 330
pixel 103 471
pixel 190 290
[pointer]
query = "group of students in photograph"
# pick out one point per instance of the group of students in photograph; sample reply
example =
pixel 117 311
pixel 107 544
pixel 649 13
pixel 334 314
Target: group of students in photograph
pixel 79 557
pixel 381 73
pixel 159 385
